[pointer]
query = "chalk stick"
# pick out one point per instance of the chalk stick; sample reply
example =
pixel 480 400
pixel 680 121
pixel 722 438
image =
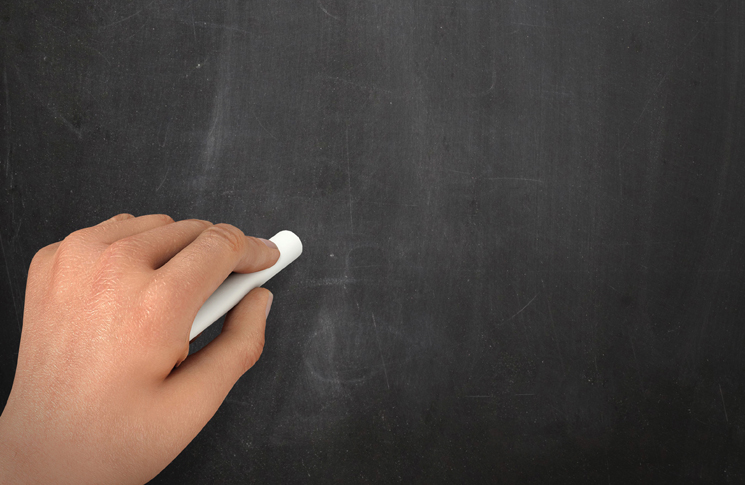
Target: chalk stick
pixel 237 285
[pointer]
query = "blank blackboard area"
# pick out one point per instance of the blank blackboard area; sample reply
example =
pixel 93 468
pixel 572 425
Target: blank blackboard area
pixel 523 221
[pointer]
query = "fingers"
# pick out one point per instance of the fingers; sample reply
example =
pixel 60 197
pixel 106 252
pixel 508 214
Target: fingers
pixel 204 379
pixel 158 245
pixel 203 265
pixel 121 226
pixel 48 251
pixel 118 217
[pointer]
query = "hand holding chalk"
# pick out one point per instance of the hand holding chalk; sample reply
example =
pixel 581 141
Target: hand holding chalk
pixel 237 285
pixel 108 315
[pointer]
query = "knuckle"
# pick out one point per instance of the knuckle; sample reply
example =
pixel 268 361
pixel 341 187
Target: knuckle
pixel 122 216
pixel 119 252
pixel 165 218
pixel 200 222
pixel 36 272
pixel 75 238
pixel 62 264
pixel 114 258
pixel 257 246
pixel 226 235
pixel 70 253
pixel 111 265
pixel 158 290
pixel 156 299
pixel 38 260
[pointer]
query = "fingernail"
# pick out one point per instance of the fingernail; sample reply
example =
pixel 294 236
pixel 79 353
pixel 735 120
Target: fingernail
pixel 268 243
pixel 269 304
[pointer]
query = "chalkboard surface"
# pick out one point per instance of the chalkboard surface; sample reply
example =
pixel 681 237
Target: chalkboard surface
pixel 524 221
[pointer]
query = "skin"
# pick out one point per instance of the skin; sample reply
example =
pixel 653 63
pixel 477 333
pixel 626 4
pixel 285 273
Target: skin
pixel 104 391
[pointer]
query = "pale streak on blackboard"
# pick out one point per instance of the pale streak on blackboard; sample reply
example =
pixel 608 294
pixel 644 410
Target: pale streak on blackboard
pixel 377 338
pixel 124 19
pixel 164 178
pixel 128 17
pixel 553 327
pixel 236 401
pixel 193 29
pixel 349 183
pixel 7 122
pixel 10 282
pixel 329 282
pixel 264 127
pixel 636 361
pixel 327 12
pixel 725 407
pixel 666 73
pixel 516 178
pixel 523 308
pixel 9 176
pixel 49 106
pixel 361 86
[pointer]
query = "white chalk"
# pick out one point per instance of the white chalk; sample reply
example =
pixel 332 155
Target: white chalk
pixel 237 285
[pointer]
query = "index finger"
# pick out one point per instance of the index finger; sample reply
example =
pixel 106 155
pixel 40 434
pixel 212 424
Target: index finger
pixel 197 270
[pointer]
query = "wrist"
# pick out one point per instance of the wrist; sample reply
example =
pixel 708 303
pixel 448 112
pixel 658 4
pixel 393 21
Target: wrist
pixel 11 455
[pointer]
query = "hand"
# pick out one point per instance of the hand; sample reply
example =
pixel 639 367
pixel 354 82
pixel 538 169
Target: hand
pixel 99 395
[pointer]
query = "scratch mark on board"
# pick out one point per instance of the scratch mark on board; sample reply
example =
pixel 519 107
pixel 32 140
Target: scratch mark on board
pixel 165 135
pixel 636 361
pixel 240 403
pixel 452 171
pixel 553 326
pixel 327 12
pixel 202 25
pixel 7 122
pixel 328 282
pixel 723 406
pixel 64 121
pixel 18 229
pixel 377 338
pixel 212 25
pixel 361 86
pixel 264 127
pixel 123 20
pixel 99 53
pixel 10 282
pixel 49 106
pixel 516 178
pixel 193 28
pixel 666 74
pixel 523 308
pixel 491 87
pixel 164 178
pixel 128 17
pixel 349 182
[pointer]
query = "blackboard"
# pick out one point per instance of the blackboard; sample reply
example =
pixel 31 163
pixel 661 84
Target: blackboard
pixel 524 221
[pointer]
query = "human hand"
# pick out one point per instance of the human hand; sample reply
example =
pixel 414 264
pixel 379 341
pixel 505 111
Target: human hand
pixel 99 395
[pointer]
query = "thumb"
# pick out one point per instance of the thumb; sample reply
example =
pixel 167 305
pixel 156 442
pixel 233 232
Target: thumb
pixel 204 379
